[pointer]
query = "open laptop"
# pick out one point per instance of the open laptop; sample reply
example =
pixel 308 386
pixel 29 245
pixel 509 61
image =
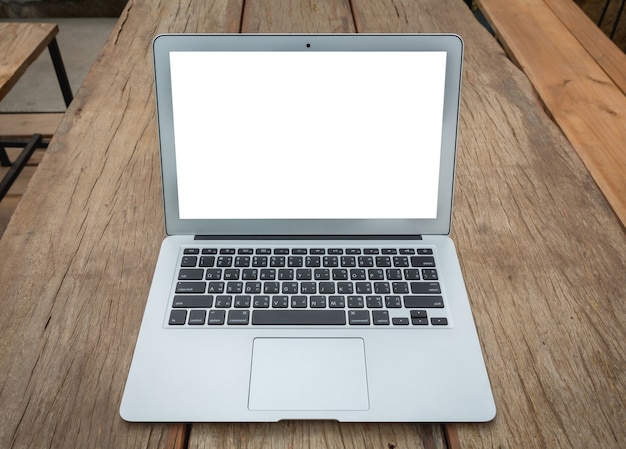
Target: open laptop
pixel 308 272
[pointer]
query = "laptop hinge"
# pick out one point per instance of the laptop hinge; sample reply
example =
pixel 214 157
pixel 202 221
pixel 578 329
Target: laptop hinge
pixel 308 237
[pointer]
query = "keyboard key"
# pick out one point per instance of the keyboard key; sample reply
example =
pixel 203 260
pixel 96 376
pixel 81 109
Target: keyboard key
pixel 374 302
pixel 371 251
pixel 357 274
pixel 376 274
pixel 429 275
pixel 345 288
pixel 327 288
pixel 418 288
pixel 321 274
pixel 253 288
pixel 439 321
pixel 295 261
pixel 281 302
pixel 216 317
pixel 335 251
pixel 191 302
pixel 400 288
pixel 190 274
pixel 245 251
pixel 382 288
pixel 271 287
pixel 355 302
pixel 363 288
pixel 268 274
pixel 425 251
pixel 300 251
pixel 340 274
pixel 400 261
pixel 242 301
pixel 318 251
pixel 265 251
pixel 400 321
pixel 318 302
pixel 299 302
pixel 330 261
pixel 412 274
pixel 178 317
pixel 313 261
pixel 383 261
pixel 234 287
pixel 285 274
pixel 259 261
pixel 231 274
pixel 348 261
pixel 191 251
pixel 261 302
pixel 238 317
pixel 223 301
pixel 337 302
pixel 216 287
pixel 304 274
pixel 366 261
pixel 389 251
pixel 189 261
pixel 308 288
pixel 281 251
pixel 423 302
pixel 224 261
pixel 419 321
pixel 209 251
pixel 197 317
pixel 407 251
pixel 359 317
pixel 242 261
pixel 289 288
pixel 191 287
pixel 207 261
pixel 250 274
pixel 213 274
pixel 277 261
pixel 422 261
pixel 418 314
pixel 380 317
pixel 299 317
pixel 393 274
pixel 227 251
pixel 393 302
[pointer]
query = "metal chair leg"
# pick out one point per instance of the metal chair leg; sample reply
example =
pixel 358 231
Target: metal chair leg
pixel 19 164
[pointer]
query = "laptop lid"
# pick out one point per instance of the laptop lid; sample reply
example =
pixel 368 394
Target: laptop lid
pixel 308 135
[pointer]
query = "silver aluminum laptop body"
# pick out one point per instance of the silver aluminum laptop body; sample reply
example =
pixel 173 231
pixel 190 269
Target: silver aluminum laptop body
pixel 326 146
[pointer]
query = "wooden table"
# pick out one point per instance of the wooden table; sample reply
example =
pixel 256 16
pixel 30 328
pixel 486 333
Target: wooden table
pixel 543 254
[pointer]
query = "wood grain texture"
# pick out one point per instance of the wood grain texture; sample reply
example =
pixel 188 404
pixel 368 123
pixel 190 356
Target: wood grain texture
pixel 25 125
pixel 87 233
pixel 316 434
pixel 543 256
pixel 20 45
pixel 588 106
pixel 323 16
pixel 601 48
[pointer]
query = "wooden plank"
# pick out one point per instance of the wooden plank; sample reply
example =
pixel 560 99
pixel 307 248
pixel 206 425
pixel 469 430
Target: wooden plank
pixel 20 45
pixel 68 327
pixel 602 49
pixel 325 16
pixel 25 125
pixel 581 97
pixel 316 434
pixel 543 256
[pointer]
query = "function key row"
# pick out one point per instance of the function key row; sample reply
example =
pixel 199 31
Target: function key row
pixel 305 251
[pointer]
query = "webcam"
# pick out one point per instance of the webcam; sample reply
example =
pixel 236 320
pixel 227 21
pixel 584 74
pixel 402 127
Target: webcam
pixel 308 45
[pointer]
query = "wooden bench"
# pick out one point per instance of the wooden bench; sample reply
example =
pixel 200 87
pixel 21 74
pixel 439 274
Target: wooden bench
pixel 579 74
pixel 20 45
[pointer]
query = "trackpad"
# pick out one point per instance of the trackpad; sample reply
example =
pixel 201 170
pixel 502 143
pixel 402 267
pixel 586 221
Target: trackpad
pixel 308 374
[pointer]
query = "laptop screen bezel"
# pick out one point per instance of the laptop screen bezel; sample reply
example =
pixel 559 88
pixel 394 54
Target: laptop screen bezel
pixel 449 43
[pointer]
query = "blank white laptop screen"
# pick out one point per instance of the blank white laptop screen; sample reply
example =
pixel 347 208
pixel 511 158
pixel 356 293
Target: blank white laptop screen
pixel 307 135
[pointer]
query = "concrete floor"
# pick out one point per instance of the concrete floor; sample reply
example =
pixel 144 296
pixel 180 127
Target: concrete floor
pixel 80 41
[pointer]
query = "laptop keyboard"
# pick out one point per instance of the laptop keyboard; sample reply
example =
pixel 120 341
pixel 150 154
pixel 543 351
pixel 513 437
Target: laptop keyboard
pixel 333 286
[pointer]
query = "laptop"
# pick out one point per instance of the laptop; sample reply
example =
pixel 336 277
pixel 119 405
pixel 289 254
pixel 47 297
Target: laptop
pixel 307 271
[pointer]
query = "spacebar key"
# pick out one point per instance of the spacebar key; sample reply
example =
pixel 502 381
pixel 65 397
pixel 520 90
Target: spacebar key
pixel 299 317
